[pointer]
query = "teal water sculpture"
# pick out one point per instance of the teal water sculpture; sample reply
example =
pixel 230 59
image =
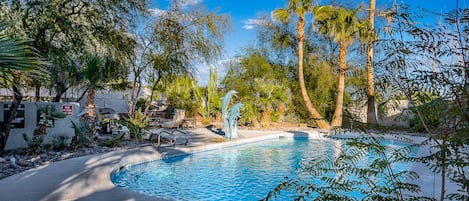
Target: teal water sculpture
pixel 233 121
pixel 229 118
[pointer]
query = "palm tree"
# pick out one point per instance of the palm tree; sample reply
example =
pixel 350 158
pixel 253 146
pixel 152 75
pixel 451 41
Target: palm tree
pixel 371 109
pixel 301 8
pixel 97 72
pixel 16 58
pixel 342 25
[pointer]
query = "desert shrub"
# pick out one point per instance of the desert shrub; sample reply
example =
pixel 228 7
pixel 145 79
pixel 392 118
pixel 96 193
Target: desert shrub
pixel 113 142
pixel 80 139
pixel 206 121
pixel 34 143
pixel 137 124
pixel 60 143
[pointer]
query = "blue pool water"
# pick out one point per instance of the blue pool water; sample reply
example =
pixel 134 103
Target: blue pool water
pixel 245 172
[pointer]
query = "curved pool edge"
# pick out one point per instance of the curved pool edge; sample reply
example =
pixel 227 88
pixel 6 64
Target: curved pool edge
pixel 245 138
pixel 88 177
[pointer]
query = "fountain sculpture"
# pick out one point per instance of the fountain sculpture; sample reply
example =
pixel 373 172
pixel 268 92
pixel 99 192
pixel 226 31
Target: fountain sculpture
pixel 230 117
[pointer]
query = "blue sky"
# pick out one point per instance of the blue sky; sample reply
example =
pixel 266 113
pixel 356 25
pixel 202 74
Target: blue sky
pixel 245 12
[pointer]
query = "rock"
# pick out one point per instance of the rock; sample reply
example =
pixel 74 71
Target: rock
pixel 23 163
pixel 36 158
pixel 3 160
pixel 93 146
pixel 66 155
pixel 13 162
pixel 105 149
pixel 44 156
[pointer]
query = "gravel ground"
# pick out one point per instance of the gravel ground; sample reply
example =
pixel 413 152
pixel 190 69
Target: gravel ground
pixel 18 160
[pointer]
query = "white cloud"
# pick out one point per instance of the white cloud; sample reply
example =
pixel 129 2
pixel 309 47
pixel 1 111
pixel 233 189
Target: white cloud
pixel 157 12
pixel 184 3
pixel 252 23
pixel 248 27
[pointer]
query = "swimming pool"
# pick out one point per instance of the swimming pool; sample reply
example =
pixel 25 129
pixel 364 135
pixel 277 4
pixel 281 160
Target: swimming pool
pixel 245 172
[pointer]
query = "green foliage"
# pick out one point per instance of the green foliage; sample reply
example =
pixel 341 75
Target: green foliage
pixel 141 103
pixel 60 143
pixel 183 93
pixel 431 113
pixel 137 124
pixel 62 31
pixel 261 85
pixel 354 170
pixel 16 55
pixel 51 112
pixel 113 142
pixel 35 145
pixel 80 139
pixel 18 60
pixel 321 74
pixel 211 96
pixel 429 68
pixel 340 23
pixel 206 122
pixel 180 42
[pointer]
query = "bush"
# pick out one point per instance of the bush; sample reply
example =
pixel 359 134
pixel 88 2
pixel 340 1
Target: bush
pixel 137 124
pixel 34 143
pixel 113 142
pixel 80 139
pixel 206 121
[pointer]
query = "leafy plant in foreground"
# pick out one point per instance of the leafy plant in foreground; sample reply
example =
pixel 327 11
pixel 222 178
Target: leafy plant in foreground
pixel 364 169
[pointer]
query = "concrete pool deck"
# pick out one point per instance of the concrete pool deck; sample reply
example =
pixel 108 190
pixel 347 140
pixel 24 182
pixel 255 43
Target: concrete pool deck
pixel 88 177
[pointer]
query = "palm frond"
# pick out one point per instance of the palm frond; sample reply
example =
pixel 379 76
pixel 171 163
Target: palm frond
pixel 16 56
pixel 282 15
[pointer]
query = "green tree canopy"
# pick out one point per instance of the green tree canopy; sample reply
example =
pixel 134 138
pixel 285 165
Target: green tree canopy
pixel 63 30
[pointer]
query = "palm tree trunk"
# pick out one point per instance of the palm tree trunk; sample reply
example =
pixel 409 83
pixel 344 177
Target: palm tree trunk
pixel 339 105
pixel 6 125
pixel 371 109
pixel 91 112
pixel 265 116
pixel 313 112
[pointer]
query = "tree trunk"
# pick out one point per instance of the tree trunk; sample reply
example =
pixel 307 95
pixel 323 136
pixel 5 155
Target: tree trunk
pixel 132 98
pixel 37 86
pixel 153 88
pixel 91 112
pixel 5 127
pixel 339 105
pixel 371 109
pixel 60 90
pixel 82 94
pixel 265 116
pixel 309 106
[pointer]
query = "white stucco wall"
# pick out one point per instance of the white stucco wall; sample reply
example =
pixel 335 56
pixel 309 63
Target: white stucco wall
pixel 61 127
